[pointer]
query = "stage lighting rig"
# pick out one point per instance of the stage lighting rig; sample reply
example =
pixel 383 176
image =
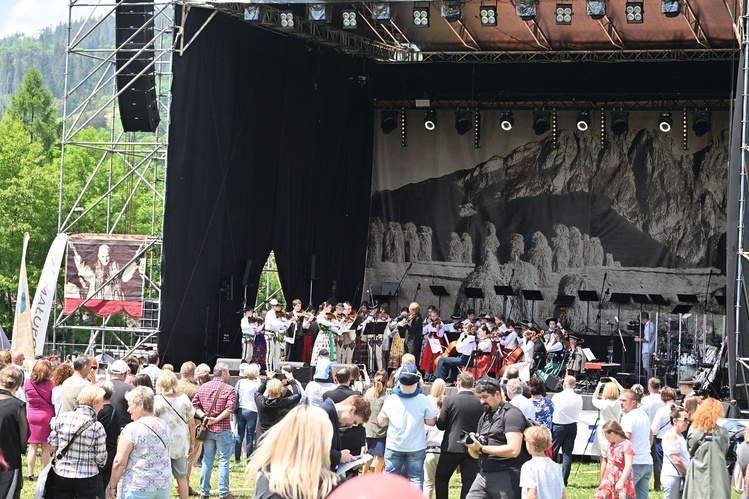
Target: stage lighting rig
pixel 381 12
pixel 506 120
pixel 583 120
pixel 388 120
pixel 634 12
pixel 671 8
pixel 700 122
pixel 488 15
pixel 430 119
pixel 526 9
pixel 619 122
pixel 564 14
pixel 596 9
pixel 253 13
pixel 319 13
pixel 462 121
pixel 421 16
pixel 541 122
pixel 451 10
pixel 349 18
pixel 286 18
pixel 665 122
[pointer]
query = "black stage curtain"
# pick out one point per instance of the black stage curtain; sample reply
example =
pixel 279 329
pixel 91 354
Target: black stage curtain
pixel 270 149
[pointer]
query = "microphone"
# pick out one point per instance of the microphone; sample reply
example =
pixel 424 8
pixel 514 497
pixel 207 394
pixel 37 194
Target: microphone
pixel 616 319
pixel 605 276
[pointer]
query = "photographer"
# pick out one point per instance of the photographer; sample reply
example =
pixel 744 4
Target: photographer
pixel 274 406
pixel 498 445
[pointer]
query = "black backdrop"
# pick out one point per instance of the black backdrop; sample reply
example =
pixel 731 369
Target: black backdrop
pixel 271 149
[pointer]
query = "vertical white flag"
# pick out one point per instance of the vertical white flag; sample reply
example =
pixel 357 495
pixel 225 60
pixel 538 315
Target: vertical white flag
pixel 22 337
pixel 45 291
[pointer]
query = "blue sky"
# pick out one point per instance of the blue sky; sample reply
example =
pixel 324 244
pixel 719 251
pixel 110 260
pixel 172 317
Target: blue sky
pixel 30 16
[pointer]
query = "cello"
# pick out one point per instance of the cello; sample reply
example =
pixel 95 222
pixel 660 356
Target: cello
pixel 452 348
pixel 513 358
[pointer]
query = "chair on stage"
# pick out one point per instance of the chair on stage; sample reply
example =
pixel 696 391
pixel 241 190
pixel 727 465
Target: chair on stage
pixel 484 363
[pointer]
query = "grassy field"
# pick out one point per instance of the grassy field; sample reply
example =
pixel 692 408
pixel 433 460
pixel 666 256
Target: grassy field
pixel 583 483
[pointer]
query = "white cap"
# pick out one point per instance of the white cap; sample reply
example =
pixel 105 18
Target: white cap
pixel 119 367
pixel 274 302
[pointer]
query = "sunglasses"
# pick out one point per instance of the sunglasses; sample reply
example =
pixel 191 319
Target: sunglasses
pixel 686 420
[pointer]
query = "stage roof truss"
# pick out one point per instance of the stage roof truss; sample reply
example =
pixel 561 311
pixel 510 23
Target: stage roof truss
pixel 611 32
pixel 463 34
pixel 694 25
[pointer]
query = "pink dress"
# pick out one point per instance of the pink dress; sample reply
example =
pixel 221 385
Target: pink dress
pixel 39 410
pixel 614 468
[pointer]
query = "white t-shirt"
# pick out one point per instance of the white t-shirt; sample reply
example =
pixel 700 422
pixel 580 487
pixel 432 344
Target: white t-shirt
pixel 525 405
pixel 679 446
pixel 653 402
pixel 406 416
pixel 567 407
pixel 246 389
pixel 661 422
pixel 544 475
pixel 637 423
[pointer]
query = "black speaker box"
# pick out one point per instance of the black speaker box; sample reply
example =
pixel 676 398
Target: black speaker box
pixel 553 384
pixel 304 374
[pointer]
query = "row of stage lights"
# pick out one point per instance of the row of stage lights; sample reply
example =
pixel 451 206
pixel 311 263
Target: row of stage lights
pixel 452 10
pixel 543 121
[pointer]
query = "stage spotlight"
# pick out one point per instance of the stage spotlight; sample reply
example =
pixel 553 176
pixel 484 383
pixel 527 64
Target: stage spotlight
pixel 451 11
pixel 564 14
pixel 583 120
pixel 462 121
pixel 421 17
pixel 619 122
pixel 319 13
pixel 506 120
pixel 596 9
pixel 388 120
pixel 488 15
pixel 381 12
pixel 253 13
pixel 665 121
pixel 286 18
pixel 349 18
pixel 671 8
pixel 700 122
pixel 430 119
pixel 634 12
pixel 541 122
pixel 526 9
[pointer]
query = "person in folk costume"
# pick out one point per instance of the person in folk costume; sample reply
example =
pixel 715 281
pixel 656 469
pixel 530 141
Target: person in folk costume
pixel 555 355
pixel 396 339
pixel 250 326
pixel 576 362
pixel 260 348
pixel 432 330
pixel 276 324
pixel 328 327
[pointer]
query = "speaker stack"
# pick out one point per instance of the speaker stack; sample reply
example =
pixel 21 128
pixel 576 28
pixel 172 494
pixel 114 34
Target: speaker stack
pixel 139 111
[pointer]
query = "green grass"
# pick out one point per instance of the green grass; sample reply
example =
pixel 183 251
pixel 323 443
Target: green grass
pixel 582 483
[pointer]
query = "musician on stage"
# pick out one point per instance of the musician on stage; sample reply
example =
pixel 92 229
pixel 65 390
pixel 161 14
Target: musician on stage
pixel 434 333
pixel 448 367
pixel 300 322
pixel 555 354
pixel 539 349
pixel 500 323
pixel 250 328
pixel 646 340
pixel 576 362
pixel 471 318
pixel 328 327
pixel 454 329
pixel 413 324
pixel 509 339
pixel 487 320
pixel 348 336
pixel 275 325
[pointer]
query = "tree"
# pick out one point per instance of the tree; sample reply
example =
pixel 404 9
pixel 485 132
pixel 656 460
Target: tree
pixel 33 104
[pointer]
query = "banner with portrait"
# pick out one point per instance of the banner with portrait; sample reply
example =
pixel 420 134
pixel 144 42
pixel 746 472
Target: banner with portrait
pixel 104 273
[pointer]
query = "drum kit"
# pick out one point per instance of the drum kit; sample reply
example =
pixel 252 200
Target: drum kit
pixel 679 355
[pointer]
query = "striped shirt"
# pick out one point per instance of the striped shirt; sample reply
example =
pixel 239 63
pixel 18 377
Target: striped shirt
pixel 89 450
pixel 227 399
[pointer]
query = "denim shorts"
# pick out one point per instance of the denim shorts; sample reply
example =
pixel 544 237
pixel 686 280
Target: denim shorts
pixel 376 446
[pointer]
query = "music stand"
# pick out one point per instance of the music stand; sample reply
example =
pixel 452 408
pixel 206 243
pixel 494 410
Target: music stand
pixel 687 298
pixel 504 291
pixel 659 301
pixel 389 288
pixel 681 309
pixel 474 294
pixel 439 292
pixel 721 299
pixel 532 295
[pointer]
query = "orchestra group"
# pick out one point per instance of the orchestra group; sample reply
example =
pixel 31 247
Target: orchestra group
pixel 487 344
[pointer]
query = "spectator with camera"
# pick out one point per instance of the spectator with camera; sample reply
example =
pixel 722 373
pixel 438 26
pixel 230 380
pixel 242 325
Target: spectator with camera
pixel 498 445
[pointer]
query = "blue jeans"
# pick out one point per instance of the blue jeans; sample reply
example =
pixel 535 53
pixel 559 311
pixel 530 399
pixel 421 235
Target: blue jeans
pixel 246 422
pixel 642 474
pixel 223 443
pixel 447 367
pixel 563 438
pixel 414 462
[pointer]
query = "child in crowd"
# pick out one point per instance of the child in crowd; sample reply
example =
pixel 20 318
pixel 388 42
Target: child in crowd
pixel 324 368
pixel 540 478
pixel 618 479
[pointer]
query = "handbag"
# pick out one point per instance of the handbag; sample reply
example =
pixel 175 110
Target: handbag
pixel 201 431
pixel 47 477
pixel 737 479
pixel 682 478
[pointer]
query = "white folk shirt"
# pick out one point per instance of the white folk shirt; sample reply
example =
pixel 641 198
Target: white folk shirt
pixel 274 324
pixel 567 407
pixel 527 347
pixel 485 345
pixel 509 342
pixel 466 344
pixel 333 325
pixel 553 346
pixel 249 329
pixel 430 329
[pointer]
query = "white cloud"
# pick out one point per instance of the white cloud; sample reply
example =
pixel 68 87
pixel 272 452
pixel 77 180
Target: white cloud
pixel 31 16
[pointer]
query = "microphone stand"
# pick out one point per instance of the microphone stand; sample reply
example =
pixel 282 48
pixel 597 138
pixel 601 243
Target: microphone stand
pixel 400 283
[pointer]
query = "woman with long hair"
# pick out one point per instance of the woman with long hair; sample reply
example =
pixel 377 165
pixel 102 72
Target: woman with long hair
pixel 292 461
pixel 376 434
pixel 707 475
pixel 59 375
pixel 246 415
pixel 40 411
pixel 675 453
pixel 608 407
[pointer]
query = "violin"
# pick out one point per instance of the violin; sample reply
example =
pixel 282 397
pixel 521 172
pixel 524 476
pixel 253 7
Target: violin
pixel 255 320
pixel 407 321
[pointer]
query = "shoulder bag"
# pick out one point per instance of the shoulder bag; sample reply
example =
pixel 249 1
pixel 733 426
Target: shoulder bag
pixel 201 431
pixel 47 476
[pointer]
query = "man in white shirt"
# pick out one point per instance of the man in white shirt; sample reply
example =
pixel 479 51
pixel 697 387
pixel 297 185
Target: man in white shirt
pixel 648 336
pixel 567 408
pixel 653 402
pixel 448 367
pixel 250 327
pixel 515 394
pixel 274 327
pixel 636 424
pixel 152 369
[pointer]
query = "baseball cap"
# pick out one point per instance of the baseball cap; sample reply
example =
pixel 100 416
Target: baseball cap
pixel 409 375
pixel 274 303
pixel 119 367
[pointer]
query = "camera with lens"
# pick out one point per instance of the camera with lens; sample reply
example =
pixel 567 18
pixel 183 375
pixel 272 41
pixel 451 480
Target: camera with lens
pixel 633 326
pixel 465 438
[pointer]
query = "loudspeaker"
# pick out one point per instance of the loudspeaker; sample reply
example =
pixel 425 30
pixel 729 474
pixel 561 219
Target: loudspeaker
pixel 303 373
pixel 233 365
pixel 150 314
pixel 231 288
pixel 139 111
pixel 553 384
pixel 312 265
pixel 247 269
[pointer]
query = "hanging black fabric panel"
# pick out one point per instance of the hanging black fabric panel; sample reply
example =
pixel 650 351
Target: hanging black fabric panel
pixel 270 149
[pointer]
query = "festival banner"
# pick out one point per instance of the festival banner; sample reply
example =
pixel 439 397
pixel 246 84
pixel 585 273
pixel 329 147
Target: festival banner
pixel 104 273
pixel 22 335
pixel 45 292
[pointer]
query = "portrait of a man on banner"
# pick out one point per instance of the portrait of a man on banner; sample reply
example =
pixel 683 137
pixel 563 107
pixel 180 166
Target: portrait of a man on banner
pixel 104 273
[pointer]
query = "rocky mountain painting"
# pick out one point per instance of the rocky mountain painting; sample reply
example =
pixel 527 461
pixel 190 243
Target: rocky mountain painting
pixel 642 215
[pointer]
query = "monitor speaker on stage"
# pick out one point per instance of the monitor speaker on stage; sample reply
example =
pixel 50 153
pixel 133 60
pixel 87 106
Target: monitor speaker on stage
pixel 247 271
pixel 136 81
pixel 233 365
pixel 553 384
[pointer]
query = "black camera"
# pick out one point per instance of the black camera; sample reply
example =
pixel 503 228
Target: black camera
pixel 633 326
pixel 465 437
